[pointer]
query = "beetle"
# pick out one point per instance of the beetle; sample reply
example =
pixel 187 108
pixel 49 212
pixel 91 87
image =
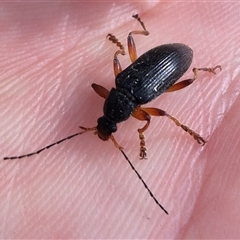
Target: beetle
pixel 149 75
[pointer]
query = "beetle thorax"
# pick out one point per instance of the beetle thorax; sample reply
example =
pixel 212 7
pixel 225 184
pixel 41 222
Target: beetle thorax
pixel 118 105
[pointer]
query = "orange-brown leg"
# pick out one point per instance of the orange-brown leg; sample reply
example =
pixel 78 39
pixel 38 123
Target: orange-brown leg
pixel 159 112
pixel 140 114
pixel 100 90
pixel 116 64
pixel 131 44
pixel 187 82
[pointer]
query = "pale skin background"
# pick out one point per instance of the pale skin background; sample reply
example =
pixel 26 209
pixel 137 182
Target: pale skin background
pixel 83 188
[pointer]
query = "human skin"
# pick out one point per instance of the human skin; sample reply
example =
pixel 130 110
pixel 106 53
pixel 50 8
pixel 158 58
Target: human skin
pixel 83 188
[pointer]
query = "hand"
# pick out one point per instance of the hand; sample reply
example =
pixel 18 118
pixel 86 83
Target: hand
pixel 51 53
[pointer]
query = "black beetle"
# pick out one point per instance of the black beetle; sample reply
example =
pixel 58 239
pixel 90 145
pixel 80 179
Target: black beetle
pixel 153 73
pixel 146 78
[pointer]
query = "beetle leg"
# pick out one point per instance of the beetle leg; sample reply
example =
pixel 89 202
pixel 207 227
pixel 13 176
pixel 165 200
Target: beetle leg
pixel 159 112
pixel 100 90
pixel 131 44
pixel 140 114
pixel 187 82
pixel 116 64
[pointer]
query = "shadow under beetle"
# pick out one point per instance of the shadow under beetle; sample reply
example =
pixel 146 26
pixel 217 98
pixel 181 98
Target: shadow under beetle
pixel 153 73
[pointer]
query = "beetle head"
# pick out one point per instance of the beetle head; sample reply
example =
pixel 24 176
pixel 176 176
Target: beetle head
pixel 105 128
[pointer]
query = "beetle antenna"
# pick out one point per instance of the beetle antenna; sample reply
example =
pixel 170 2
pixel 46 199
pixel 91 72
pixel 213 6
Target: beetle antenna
pixel 47 147
pixel 145 185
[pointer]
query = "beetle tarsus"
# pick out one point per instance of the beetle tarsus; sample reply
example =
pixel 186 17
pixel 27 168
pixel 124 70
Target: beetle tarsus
pixel 114 40
pixel 143 149
pixel 143 153
pixel 195 135
pixel 210 70
pixel 200 140
pixel 136 16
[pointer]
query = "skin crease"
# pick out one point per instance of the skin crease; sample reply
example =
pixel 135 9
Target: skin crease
pixel 83 188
